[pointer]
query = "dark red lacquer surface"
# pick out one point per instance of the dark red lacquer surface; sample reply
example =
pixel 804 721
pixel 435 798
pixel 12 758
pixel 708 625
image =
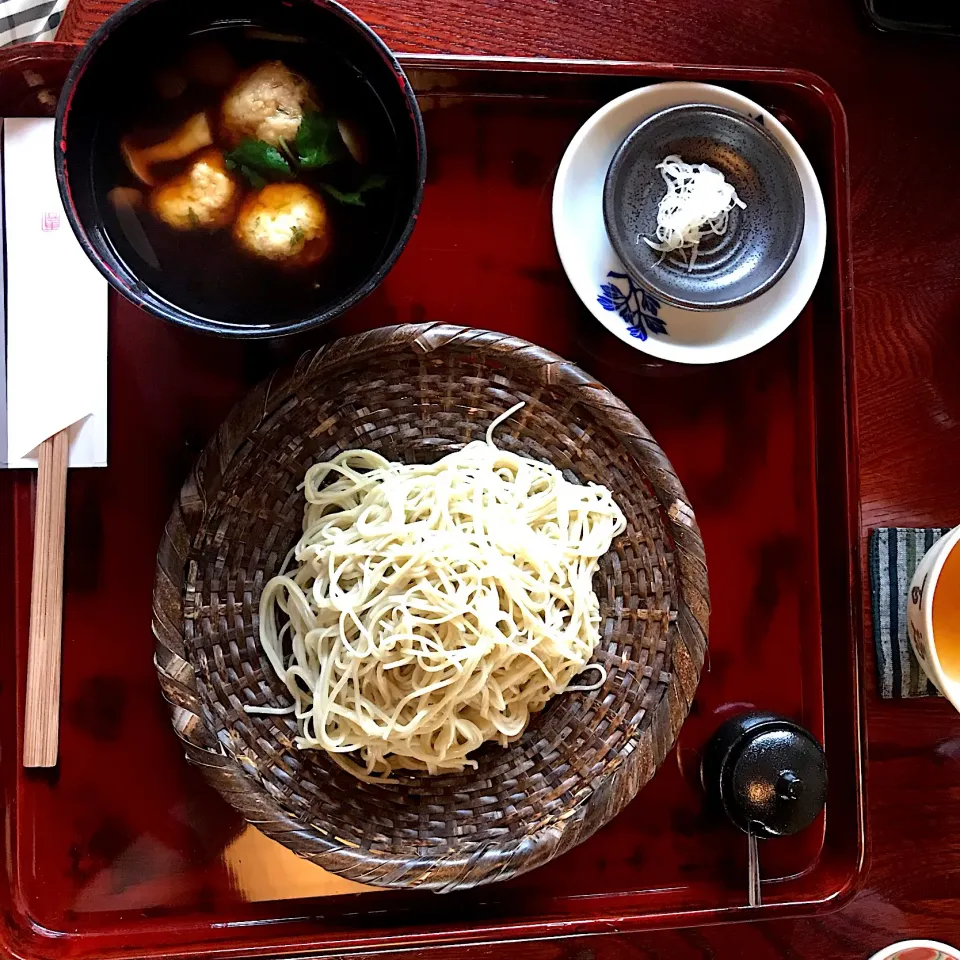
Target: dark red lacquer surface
pixel 899 96
pixel 123 850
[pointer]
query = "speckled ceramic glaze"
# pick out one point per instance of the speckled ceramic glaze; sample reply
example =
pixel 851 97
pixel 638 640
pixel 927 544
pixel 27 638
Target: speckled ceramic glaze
pixel 761 240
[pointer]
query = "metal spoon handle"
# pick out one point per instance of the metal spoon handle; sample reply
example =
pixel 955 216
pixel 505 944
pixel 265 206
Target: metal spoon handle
pixel 753 870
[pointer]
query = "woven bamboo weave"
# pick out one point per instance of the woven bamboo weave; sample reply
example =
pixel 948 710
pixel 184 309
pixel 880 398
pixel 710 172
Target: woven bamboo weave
pixel 414 393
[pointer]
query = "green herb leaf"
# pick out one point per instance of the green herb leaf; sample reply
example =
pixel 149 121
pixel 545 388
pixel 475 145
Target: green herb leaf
pixel 284 148
pixel 354 198
pixel 253 178
pixel 318 141
pixel 296 235
pixel 259 162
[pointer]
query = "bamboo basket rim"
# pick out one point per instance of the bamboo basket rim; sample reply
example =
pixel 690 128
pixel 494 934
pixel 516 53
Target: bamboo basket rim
pixel 468 863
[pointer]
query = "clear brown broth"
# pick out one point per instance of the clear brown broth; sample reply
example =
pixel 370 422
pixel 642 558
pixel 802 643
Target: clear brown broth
pixel 205 272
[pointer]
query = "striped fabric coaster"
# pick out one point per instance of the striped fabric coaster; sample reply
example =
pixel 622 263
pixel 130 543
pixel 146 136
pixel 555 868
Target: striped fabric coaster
pixel 893 557
pixel 24 20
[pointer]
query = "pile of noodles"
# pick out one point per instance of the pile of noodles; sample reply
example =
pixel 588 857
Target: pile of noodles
pixel 430 608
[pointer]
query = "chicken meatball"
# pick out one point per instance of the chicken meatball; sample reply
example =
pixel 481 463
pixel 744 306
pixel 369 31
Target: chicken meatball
pixel 266 103
pixel 204 196
pixel 286 223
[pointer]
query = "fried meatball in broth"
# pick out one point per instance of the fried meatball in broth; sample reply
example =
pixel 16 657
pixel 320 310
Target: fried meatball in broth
pixel 286 223
pixel 266 103
pixel 204 196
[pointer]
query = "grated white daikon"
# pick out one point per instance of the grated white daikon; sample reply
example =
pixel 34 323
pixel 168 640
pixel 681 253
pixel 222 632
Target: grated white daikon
pixel 697 204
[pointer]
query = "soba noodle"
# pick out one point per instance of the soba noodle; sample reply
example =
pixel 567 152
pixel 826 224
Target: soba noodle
pixel 434 607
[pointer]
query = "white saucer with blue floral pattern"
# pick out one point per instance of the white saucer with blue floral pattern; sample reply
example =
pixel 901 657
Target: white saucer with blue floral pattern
pixel 618 301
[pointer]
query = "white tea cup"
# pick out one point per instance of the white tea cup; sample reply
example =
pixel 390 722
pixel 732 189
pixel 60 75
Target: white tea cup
pixel 923 587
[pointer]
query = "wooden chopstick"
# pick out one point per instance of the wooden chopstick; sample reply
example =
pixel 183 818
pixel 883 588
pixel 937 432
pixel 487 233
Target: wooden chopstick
pixel 42 721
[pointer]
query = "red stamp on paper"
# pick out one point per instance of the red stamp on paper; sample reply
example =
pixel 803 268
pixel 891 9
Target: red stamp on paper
pixel 50 222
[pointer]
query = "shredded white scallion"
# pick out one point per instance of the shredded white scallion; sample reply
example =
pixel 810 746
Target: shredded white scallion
pixel 697 204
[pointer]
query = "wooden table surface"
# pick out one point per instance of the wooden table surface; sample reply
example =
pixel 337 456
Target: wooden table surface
pixel 903 111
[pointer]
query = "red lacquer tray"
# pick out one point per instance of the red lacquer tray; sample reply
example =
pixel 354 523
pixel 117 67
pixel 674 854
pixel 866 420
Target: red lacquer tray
pixel 122 851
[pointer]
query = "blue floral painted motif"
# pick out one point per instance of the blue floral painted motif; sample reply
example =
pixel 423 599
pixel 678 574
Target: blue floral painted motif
pixel 639 310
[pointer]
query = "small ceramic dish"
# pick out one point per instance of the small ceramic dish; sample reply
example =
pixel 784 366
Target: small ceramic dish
pixel 761 239
pixel 622 305
pixel 917 950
